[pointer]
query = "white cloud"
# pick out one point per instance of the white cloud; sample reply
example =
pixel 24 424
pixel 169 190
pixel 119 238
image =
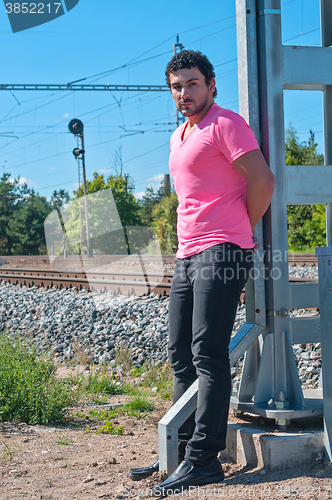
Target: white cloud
pixel 52 168
pixel 156 178
pixel 66 115
pixel 24 180
pixel 104 171
pixel 139 196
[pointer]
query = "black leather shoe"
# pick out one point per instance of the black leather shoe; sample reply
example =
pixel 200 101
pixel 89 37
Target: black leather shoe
pixel 188 474
pixel 144 472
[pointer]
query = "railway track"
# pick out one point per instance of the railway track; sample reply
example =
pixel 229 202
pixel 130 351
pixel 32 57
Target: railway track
pixel 118 282
pixel 94 281
pixel 302 259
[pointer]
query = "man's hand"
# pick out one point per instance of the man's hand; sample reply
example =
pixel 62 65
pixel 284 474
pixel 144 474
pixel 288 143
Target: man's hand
pixel 254 239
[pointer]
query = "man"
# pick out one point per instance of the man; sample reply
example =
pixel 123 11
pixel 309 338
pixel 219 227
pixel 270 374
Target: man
pixel 224 187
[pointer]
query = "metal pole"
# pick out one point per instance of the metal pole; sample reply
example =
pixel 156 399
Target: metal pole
pixel 79 194
pixel 87 227
pixel 177 47
pixel 167 185
pixel 326 24
pixel 324 255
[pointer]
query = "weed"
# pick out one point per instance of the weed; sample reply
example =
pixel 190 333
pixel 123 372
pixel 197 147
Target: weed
pixel 123 357
pixel 62 439
pixel 7 452
pixel 99 384
pixel 109 428
pixel 29 390
pixel 100 415
pixel 160 377
pixel 136 372
pixel 100 400
pixel 80 356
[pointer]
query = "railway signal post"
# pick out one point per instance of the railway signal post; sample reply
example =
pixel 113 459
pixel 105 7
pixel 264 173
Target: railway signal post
pixel 76 127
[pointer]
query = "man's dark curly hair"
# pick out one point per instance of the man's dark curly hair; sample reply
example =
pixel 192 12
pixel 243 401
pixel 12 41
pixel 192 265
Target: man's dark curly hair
pixel 191 59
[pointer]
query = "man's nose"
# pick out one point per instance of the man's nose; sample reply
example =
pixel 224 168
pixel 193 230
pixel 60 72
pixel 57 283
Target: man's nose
pixel 184 92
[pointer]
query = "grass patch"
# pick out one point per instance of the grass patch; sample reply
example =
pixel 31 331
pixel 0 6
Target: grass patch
pixel 29 391
pixel 140 405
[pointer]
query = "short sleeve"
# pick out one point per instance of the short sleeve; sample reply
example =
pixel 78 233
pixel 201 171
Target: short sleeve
pixel 233 136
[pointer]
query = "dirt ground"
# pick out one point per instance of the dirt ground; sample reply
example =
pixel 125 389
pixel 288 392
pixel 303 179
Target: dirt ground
pixel 73 462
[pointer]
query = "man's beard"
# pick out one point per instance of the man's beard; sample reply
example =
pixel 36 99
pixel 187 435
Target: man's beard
pixel 195 110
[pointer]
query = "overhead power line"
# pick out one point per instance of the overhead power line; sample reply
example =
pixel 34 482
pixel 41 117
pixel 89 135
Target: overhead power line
pixel 70 87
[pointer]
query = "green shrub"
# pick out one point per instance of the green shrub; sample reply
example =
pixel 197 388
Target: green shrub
pixel 29 391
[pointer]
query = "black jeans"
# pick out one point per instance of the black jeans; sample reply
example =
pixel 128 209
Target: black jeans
pixel 205 292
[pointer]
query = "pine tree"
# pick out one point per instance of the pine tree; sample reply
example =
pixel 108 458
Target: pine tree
pixel 10 196
pixel 26 227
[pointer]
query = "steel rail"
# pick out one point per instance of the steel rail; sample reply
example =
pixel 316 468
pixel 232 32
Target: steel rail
pixel 99 281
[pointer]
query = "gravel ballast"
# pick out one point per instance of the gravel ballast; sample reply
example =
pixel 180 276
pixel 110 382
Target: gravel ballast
pixel 98 324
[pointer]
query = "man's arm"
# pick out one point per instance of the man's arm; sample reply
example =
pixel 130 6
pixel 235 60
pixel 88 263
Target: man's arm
pixel 260 183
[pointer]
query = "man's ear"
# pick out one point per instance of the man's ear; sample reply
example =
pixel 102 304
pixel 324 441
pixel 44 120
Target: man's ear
pixel 212 85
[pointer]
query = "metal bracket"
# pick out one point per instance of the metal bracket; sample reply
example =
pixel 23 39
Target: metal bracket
pixel 268 11
pixel 283 312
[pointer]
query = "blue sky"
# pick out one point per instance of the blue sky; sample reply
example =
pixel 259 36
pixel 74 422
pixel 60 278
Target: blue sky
pixel 34 139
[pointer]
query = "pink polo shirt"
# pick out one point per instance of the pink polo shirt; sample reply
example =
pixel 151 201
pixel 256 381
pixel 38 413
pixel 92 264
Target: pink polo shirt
pixel 212 194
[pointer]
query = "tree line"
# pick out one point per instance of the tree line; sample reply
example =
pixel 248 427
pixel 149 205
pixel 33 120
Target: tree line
pixel 23 211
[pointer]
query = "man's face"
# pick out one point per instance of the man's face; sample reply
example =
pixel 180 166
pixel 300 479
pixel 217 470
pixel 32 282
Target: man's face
pixel 190 91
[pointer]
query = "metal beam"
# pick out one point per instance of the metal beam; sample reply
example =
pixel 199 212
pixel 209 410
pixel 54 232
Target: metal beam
pixel 169 425
pixel 72 87
pixel 303 86
pixel 307 67
pixel 304 295
pixel 309 184
pixel 305 330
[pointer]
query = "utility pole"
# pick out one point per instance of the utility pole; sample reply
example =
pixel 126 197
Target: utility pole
pixel 76 128
pixel 167 185
pixel 177 47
